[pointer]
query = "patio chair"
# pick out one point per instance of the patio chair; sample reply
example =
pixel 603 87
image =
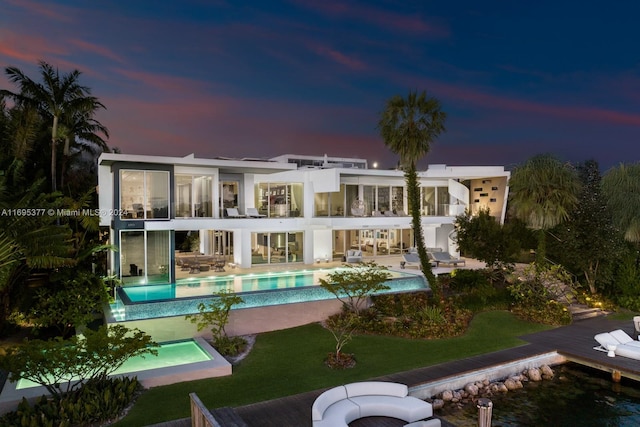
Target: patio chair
pixel 410 260
pixel 253 213
pixel 445 258
pixel 233 213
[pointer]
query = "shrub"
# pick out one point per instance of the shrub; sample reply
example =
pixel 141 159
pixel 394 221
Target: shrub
pixel 230 346
pixel 533 301
pixel 216 315
pixel 411 315
pixel 98 400
pixel 57 362
pixel 354 284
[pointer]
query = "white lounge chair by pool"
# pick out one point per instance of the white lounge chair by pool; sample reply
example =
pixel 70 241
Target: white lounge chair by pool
pixel 614 347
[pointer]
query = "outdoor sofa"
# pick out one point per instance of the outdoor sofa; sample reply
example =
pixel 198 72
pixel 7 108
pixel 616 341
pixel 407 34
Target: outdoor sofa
pixel 353 255
pixel 339 406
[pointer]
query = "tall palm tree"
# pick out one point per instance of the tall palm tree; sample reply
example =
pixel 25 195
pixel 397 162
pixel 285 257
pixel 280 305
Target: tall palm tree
pixel 409 127
pixel 621 189
pixel 58 98
pixel 81 133
pixel 542 192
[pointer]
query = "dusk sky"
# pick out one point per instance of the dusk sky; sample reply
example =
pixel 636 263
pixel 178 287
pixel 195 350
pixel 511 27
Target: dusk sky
pixel 263 78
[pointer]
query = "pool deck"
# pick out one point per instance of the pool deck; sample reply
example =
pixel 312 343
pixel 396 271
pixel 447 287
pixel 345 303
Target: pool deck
pixel 574 343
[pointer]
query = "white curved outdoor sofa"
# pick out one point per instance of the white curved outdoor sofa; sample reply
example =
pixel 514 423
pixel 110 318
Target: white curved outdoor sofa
pixel 339 406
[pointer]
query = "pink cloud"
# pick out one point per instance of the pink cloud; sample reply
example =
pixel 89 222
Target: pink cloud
pixel 28 48
pixel 382 18
pixel 50 11
pixel 339 57
pixel 97 49
pixel 479 98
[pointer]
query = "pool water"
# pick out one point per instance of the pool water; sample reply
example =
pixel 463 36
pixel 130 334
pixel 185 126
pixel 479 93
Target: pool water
pixel 169 354
pixel 577 396
pixel 240 283
pixel 256 290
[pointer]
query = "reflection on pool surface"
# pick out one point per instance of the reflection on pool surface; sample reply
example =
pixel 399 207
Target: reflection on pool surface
pixel 194 287
pixel 170 354
pixel 257 290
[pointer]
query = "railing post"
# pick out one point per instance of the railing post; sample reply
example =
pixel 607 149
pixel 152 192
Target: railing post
pixel 485 406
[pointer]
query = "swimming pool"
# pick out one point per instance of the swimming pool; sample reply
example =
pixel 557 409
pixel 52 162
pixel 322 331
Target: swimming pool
pixel 177 361
pixel 257 290
pixel 169 354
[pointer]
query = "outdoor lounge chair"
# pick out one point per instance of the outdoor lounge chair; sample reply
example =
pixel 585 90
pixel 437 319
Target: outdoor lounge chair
pixel 253 213
pixel 609 343
pixel 445 258
pixel 411 260
pixel 233 213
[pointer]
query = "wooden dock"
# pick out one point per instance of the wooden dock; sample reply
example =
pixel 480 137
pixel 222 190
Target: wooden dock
pixel 574 342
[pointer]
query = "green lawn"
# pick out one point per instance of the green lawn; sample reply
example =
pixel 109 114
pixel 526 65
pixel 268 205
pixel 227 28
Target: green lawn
pixel 288 362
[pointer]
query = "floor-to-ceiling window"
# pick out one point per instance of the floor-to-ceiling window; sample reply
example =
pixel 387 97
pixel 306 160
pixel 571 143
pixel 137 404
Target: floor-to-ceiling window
pixel 394 241
pixel 144 194
pixel 229 194
pixel 443 201
pixel 144 256
pixel 193 196
pixel 277 200
pixel 383 199
pixel 330 204
pixel 277 248
pixel 397 199
pixel 369 199
pixel 353 201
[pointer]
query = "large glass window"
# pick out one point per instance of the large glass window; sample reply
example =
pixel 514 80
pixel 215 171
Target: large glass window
pixel 277 248
pixel 193 196
pixel 443 201
pixel 337 202
pixel 330 204
pixel 353 201
pixel 278 200
pixel 144 257
pixel 183 196
pixel 428 201
pixel 372 242
pixel 144 194
pixel 369 199
pixel 321 204
pixel 397 199
pixel 229 194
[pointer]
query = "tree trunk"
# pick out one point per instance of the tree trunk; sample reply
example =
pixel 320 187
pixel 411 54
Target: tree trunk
pixel 54 136
pixel 413 193
pixel 541 250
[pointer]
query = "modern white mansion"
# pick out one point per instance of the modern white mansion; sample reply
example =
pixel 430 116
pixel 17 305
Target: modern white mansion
pixel 309 209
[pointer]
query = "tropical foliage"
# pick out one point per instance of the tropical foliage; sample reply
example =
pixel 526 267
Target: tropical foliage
pixel 621 190
pixel 482 237
pixel 67 107
pixel 587 243
pixel 215 314
pixel 542 193
pixel 409 127
pixel 355 283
